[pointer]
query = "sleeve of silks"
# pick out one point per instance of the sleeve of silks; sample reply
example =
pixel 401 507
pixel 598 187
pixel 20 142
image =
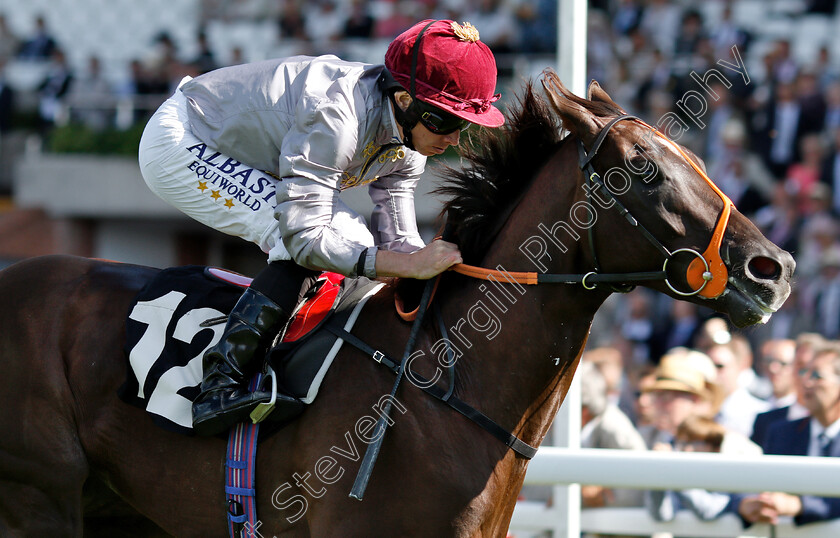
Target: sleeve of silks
pixel 317 229
pixel 394 221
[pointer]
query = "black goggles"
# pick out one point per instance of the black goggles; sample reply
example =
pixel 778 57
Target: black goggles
pixel 438 121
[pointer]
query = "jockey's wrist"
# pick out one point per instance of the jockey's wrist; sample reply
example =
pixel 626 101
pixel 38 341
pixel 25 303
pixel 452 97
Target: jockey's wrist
pixel 390 263
pixel 366 265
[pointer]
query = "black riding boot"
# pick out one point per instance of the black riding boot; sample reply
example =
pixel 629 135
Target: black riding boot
pixel 224 399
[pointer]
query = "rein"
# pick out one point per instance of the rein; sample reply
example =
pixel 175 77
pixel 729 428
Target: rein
pixel 707 271
pixel 706 274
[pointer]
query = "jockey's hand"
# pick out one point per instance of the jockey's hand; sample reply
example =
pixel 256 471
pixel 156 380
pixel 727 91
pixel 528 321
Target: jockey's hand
pixel 430 261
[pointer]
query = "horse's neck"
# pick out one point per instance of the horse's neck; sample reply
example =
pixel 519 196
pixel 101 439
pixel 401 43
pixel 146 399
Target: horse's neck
pixel 520 371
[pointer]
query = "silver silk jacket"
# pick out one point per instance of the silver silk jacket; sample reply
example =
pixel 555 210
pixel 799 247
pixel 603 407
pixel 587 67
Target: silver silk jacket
pixel 320 125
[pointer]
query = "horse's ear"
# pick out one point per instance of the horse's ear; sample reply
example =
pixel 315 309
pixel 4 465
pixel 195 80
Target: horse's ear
pixel 597 93
pixel 576 117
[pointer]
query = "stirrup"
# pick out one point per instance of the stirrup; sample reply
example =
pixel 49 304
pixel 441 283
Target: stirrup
pixel 262 410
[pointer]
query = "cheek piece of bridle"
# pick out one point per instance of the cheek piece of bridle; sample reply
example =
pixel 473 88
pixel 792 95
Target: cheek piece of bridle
pixel 706 274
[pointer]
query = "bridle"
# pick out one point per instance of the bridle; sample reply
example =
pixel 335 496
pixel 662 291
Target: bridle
pixel 708 269
pixel 706 274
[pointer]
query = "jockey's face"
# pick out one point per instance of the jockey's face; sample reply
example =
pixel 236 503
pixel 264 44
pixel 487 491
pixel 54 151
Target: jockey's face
pixel 428 143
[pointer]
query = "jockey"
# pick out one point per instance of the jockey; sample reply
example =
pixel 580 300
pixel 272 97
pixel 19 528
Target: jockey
pixel 294 132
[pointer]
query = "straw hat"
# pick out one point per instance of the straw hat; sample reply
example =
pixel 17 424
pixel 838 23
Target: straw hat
pixel 692 371
pixel 676 372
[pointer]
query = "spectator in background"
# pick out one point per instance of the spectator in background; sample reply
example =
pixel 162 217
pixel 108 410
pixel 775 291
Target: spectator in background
pixel 777 361
pixel 723 112
pixel 825 69
pixel 324 24
pixel 727 33
pixel 803 175
pixel 714 330
pixel 9 42
pixel 146 90
pixel 496 21
pixel 160 67
pixel 205 60
pixel 739 408
pixel 6 101
pixel 811 101
pixel 678 391
pixel 830 174
pixel 40 46
pixel 91 98
pixel 738 172
pixel 813 436
pixel 637 325
pixel 644 407
pixel 778 129
pixel 237 56
pixel 402 15
pixel 686 385
pixel 780 221
pixel 784 67
pixel 805 346
pixel 822 7
pixel 690 34
pixel 53 89
pixel 537 26
pixel 626 16
pixel 825 293
pixel 679 328
pixel 292 21
pixel 610 364
pixel 244 10
pixel 749 378
pixel 604 426
pixel 696 433
pixel 360 22
pixel 661 21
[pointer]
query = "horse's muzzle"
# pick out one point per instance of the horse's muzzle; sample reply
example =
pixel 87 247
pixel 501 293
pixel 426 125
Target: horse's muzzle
pixel 759 287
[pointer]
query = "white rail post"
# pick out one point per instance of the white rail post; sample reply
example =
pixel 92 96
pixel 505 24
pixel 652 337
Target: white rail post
pixel 571 67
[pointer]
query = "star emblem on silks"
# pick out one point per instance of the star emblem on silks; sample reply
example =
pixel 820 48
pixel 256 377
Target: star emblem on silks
pixel 215 195
pixel 228 203
pixel 202 186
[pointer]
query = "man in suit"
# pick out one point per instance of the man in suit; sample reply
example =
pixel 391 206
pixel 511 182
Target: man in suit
pixel 604 425
pixel 817 435
pixel 806 344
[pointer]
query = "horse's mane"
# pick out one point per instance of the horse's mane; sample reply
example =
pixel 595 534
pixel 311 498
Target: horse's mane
pixel 498 166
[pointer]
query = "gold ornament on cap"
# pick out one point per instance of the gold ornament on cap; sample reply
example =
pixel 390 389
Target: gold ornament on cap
pixel 467 32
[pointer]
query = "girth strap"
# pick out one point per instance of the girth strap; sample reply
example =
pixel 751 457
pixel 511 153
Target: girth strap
pixel 240 467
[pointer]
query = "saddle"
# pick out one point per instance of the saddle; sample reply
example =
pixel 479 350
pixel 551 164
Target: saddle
pixel 181 313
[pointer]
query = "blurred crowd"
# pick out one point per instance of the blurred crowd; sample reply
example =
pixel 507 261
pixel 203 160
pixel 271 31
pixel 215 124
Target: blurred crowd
pixel 83 93
pixel 716 394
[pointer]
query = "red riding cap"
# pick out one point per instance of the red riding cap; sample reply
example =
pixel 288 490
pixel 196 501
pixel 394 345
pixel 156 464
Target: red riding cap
pixel 454 71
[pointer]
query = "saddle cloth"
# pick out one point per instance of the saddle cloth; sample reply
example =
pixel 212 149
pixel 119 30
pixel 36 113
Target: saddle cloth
pixel 182 312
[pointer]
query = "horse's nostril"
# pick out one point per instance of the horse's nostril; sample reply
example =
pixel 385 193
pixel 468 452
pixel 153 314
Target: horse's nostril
pixel 764 268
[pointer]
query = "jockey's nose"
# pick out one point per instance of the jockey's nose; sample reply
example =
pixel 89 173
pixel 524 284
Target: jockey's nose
pixel 453 138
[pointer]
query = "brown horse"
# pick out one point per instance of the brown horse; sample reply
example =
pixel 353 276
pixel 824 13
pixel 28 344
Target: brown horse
pixel 74 457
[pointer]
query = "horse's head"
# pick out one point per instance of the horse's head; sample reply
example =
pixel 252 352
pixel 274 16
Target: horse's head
pixel 677 220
